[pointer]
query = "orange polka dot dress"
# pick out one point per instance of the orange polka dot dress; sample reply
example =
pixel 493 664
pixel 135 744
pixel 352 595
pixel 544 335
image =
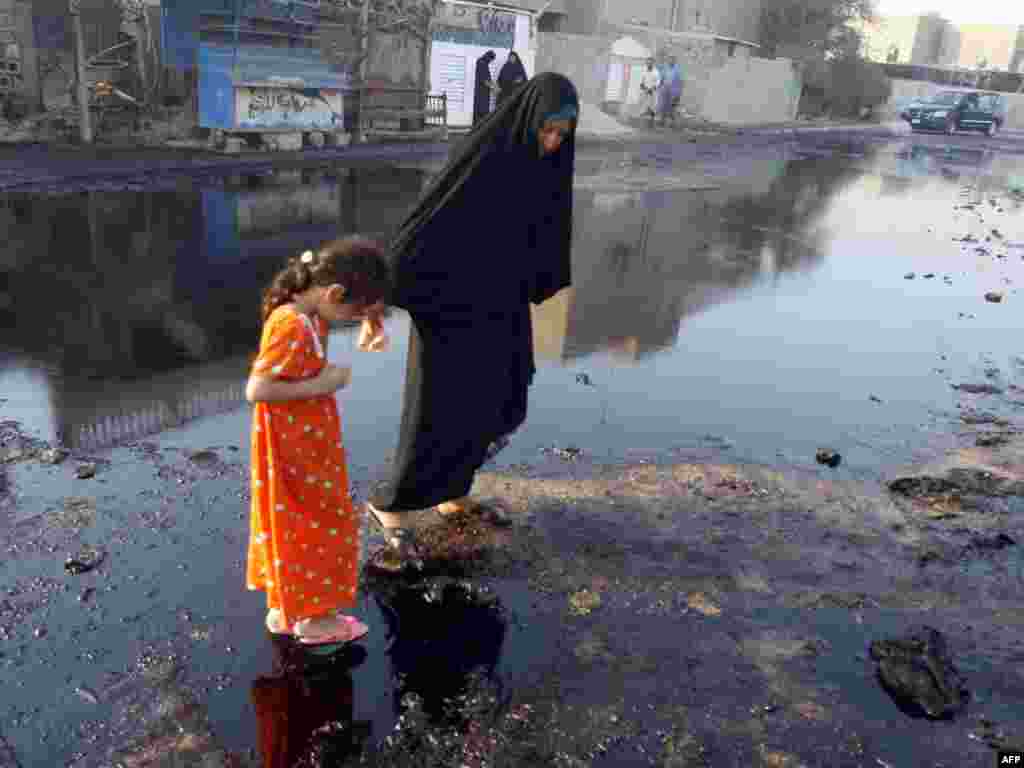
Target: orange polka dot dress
pixel 304 532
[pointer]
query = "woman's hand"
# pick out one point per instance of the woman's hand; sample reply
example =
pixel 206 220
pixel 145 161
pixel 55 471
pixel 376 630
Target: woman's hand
pixel 334 377
pixel 371 336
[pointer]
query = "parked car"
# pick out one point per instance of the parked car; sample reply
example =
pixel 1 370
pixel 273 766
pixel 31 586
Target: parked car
pixel 952 111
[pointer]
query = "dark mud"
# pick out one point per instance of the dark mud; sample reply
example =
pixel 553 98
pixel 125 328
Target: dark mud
pixel 671 614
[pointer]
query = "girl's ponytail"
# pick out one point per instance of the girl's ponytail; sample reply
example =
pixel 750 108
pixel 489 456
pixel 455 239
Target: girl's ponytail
pixel 295 278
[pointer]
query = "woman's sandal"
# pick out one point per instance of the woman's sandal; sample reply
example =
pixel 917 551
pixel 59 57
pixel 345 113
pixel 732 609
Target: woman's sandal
pixel 402 547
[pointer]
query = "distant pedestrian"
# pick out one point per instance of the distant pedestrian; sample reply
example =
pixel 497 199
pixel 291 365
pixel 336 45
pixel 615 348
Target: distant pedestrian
pixel 484 87
pixel 512 75
pixel 304 531
pixel 650 83
pixel 671 90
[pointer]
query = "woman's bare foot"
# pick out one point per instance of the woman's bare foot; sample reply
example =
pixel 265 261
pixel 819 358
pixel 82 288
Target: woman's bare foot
pixel 458 506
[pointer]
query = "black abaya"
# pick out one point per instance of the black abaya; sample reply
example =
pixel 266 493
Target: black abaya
pixel 512 74
pixel 482 88
pixel 470 360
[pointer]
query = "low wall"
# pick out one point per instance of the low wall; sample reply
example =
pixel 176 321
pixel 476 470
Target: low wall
pixel 737 89
pixel 904 91
pixel 752 90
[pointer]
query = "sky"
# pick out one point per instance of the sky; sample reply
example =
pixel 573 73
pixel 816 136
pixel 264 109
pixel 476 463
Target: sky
pixel 958 11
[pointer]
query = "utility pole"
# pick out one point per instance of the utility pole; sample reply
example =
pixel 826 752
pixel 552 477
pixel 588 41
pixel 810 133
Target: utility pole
pixel 364 53
pixel 83 86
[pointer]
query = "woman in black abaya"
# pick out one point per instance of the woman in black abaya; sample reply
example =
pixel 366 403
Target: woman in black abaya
pixel 512 75
pixel 483 87
pixel 467 274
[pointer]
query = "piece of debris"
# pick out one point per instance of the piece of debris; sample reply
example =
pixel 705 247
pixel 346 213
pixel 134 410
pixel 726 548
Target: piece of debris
pixel 909 276
pixel 85 471
pixel 698 601
pixel 978 389
pixel 994 297
pixel 203 458
pixel 828 457
pixel 52 455
pixel 929 276
pixel 87 694
pixel 39 633
pixel 918 672
pixel 997 234
pixel 584 379
pixel 84 563
pixel 990 543
pixel 13 453
pixel 875 399
pixel 569 453
pixel 584 602
pixel 992 440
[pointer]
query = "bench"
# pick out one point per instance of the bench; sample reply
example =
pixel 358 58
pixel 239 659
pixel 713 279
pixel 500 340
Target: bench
pixel 403 113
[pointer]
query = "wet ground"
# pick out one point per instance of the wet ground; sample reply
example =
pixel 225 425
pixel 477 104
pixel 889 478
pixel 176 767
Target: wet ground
pixel 682 585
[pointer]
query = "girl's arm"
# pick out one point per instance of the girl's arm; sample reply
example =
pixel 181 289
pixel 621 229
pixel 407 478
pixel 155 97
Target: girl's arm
pixel 267 389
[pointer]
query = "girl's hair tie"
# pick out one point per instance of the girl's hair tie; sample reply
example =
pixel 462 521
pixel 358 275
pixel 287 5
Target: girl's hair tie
pixel 307 257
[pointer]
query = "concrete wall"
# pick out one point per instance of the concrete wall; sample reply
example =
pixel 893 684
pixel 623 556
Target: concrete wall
pixel 18 49
pixel 888 32
pixel 731 18
pixel 734 89
pixel 908 90
pixel 996 43
pixel 752 90
pixel 582 58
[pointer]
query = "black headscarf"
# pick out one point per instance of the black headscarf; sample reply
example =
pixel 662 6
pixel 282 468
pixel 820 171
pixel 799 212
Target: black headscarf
pixel 498 169
pixel 512 73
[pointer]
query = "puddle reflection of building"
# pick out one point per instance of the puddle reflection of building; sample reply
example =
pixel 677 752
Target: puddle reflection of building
pixel 143 307
pixel 643 261
pixel 304 710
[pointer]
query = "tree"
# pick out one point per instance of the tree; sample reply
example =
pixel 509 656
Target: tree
pixel 823 28
pixel 410 18
pixel 135 17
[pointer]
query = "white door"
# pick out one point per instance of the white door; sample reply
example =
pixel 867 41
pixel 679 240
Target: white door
pixel 616 80
pixel 636 73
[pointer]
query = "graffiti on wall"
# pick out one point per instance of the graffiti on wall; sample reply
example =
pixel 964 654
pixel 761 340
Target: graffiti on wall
pixel 474 26
pixel 282 107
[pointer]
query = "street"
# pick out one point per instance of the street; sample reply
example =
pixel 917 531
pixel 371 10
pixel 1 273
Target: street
pixel 685 582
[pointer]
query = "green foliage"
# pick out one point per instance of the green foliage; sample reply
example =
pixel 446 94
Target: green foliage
pixel 821 27
pixel 844 86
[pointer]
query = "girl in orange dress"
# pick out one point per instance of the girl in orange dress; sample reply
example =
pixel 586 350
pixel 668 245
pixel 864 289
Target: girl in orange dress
pixel 304 533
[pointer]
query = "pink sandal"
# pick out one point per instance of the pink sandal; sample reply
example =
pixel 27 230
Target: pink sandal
pixel 350 630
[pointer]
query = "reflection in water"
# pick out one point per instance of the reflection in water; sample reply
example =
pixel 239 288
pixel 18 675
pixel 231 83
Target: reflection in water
pixel 305 709
pixel 159 291
pixel 156 294
pixel 446 637
pixel 646 260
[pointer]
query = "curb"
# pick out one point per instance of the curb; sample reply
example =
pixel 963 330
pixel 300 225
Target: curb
pixel 878 130
pixel 220 164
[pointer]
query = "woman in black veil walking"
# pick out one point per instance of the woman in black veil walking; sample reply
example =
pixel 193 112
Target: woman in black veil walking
pixel 483 88
pixel 512 75
pixel 467 273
